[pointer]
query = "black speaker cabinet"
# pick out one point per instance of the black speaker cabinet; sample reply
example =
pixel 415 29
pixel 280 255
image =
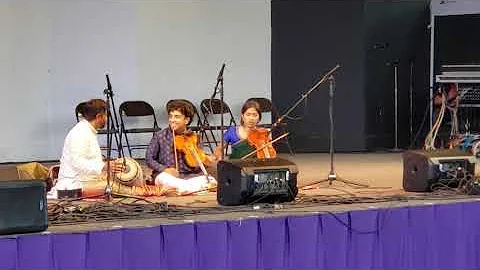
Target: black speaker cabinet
pixel 23 206
pixel 422 169
pixel 256 181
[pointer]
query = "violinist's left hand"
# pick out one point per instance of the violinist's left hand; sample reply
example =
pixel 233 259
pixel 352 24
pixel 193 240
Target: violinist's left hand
pixel 218 153
pixel 210 160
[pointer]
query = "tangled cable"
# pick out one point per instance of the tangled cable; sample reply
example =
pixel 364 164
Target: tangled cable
pixel 460 182
pixel 430 139
pixel 70 212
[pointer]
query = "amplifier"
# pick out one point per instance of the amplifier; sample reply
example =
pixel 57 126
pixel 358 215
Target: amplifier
pixel 23 206
pixel 423 169
pixel 256 181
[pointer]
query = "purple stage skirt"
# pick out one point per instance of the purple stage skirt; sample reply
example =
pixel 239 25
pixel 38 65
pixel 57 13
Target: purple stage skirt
pixel 428 236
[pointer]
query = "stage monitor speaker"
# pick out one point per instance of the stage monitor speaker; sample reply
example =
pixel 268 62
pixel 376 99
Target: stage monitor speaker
pixel 23 206
pixel 256 181
pixel 423 169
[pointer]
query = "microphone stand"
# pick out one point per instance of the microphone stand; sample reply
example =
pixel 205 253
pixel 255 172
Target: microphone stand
pixel 332 175
pixel 395 98
pixel 219 88
pixel 410 96
pixel 112 127
pixel 304 96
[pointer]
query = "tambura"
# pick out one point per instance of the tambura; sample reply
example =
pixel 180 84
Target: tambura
pixel 241 149
pixel 133 174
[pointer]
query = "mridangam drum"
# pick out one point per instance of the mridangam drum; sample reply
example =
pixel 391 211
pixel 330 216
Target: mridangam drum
pixel 133 174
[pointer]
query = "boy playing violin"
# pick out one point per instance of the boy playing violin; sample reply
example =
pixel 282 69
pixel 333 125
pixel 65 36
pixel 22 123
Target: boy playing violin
pixel 167 157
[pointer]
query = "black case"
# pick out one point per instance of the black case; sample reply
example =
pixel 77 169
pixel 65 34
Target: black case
pixel 256 181
pixel 23 206
pixel 422 169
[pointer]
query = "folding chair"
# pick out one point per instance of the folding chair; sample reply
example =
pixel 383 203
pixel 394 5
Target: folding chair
pixel 266 107
pixel 131 113
pixel 212 111
pixel 79 109
pixel 196 123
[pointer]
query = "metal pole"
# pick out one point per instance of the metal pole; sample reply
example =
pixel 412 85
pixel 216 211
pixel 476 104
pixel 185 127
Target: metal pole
pixel 411 99
pixel 332 175
pixel 432 56
pixel 396 106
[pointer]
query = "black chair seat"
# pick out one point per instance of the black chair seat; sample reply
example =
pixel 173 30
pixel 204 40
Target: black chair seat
pixel 213 109
pixel 141 130
pixel 270 125
pixel 136 109
pixel 138 146
pixel 107 131
pixel 264 125
pixel 225 127
pixel 207 128
pixel 196 129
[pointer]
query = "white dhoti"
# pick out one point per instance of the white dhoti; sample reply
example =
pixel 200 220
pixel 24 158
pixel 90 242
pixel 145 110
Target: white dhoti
pixel 193 184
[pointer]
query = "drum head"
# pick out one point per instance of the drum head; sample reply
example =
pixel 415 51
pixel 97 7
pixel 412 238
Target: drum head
pixel 130 174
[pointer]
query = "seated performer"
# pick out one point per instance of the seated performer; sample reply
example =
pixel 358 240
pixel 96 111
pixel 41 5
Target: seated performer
pixel 247 137
pixel 174 156
pixel 82 169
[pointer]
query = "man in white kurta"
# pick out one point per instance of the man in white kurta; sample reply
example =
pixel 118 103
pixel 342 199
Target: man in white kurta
pixel 82 169
pixel 81 157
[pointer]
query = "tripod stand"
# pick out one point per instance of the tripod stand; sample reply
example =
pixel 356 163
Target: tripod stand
pixel 332 175
pixel 112 129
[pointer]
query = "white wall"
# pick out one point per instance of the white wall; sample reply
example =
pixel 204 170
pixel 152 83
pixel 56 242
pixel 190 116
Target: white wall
pixel 54 54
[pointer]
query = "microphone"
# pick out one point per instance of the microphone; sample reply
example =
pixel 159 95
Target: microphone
pixel 220 74
pixel 109 85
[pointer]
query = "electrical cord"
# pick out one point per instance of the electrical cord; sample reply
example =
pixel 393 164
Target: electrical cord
pixel 69 212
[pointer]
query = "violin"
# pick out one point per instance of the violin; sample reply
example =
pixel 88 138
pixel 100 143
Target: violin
pixel 188 145
pixel 260 139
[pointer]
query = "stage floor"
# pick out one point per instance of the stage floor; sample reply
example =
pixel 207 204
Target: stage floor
pixel 381 172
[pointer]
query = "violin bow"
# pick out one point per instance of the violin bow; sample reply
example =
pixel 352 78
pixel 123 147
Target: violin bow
pixel 199 161
pixel 175 150
pixel 267 144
